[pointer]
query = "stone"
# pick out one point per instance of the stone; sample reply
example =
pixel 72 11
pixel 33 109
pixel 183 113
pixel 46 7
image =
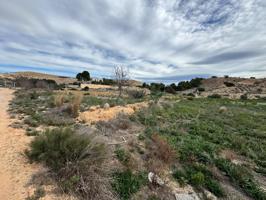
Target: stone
pixel 186 196
pixel 209 195
pixel 153 178
pixel 106 106
pixel 222 109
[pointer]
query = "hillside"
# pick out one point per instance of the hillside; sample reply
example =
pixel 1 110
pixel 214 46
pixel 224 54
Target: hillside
pixel 232 87
pixel 35 75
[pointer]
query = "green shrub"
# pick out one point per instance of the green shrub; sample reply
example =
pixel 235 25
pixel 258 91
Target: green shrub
pixel 215 96
pixel 242 177
pixel 122 156
pixel 197 179
pixel 74 159
pixel 58 147
pixel 180 176
pixel 38 194
pixel 136 94
pixel 126 183
pixel 244 97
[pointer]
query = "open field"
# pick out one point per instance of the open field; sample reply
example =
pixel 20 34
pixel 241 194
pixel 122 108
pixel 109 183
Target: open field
pixel 155 146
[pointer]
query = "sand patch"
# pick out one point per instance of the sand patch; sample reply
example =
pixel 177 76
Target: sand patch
pixel 102 114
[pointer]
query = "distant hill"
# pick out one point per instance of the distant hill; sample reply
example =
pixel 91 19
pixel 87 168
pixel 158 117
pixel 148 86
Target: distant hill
pixel 234 86
pixel 35 75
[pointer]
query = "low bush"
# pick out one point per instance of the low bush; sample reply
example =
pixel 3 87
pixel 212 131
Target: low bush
pixel 229 84
pixel 75 160
pixel 215 96
pixel 244 97
pixel 122 156
pixel 86 88
pixel 200 177
pixel 74 105
pixel 59 100
pixel 160 149
pixel 136 94
pixel 38 194
pixel 201 89
pixel 126 183
pixel 242 177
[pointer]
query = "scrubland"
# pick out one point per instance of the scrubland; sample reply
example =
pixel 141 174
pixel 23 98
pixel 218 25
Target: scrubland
pixel 174 147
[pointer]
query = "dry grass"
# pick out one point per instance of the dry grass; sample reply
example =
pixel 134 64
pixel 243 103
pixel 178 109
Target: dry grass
pixel 160 154
pixel 59 100
pixel 74 104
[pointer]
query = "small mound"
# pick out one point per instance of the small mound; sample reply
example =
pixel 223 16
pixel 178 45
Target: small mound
pixel 102 114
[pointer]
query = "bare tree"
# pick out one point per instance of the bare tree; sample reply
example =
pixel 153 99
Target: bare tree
pixel 122 77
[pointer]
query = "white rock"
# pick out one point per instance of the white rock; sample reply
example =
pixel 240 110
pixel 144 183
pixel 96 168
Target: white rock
pixel 209 195
pixel 222 109
pixel 92 108
pixel 106 106
pixel 186 196
pixel 153 178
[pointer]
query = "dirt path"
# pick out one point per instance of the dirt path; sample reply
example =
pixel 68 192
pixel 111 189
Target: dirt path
pixel 15 171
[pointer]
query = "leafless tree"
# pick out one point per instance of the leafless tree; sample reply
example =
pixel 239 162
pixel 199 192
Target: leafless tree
pixel 121 77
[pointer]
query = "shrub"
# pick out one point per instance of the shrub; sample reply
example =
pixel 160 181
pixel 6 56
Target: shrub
pixel 74 159
pixel 136 94
pixel 180 176
pixel 197 179
pixel 161 149
pixel 122 156
pixel 86 88
pixel 242 177
pixel 200 89
pixel 38 194
pixel 215 96
pixel 126 183
pixel 59 100
pixel 244 97
pixel 74 105
pixel 58 147
pixel 170 89
pixel 229 84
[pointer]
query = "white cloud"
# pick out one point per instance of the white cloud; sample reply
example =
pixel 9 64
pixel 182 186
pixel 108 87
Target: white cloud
pixel 154 38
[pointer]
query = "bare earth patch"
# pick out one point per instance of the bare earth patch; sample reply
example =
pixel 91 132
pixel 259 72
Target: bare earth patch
pixel 102 114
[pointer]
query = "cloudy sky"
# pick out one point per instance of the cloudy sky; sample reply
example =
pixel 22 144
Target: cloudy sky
pixel 156 39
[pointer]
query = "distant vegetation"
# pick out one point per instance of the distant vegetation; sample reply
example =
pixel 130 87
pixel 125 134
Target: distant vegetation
pixel 172 88
pixel 83 76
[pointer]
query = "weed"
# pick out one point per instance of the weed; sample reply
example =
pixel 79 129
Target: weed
pixel 122 156
pixel 242 177
pixel 126 183
pixel 38 194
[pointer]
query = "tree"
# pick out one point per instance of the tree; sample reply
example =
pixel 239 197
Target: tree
pixel 84 76
pixel 121 77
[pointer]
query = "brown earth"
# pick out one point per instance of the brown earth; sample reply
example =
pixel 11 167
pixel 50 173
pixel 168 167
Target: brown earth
pixel 15 170
pixel 101 114
pixel 57 79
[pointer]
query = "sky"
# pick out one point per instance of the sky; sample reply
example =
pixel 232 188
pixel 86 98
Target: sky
pixel 157 40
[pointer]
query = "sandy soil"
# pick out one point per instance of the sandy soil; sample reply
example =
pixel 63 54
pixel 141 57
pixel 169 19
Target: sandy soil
pixel 15 171
pixel 102 114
